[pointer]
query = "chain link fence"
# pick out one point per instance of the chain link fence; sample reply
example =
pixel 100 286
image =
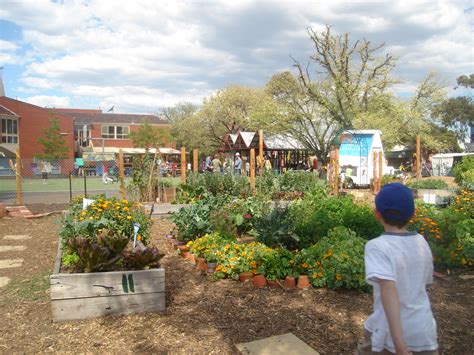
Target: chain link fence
pixel 56 181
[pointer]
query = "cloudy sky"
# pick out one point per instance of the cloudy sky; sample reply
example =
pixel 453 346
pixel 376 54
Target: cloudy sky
pixel 142 55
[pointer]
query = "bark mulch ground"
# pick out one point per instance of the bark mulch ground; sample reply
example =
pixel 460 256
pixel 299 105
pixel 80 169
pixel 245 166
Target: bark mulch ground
pixel 201 315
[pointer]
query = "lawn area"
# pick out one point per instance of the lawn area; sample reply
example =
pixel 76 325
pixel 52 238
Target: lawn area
pixel 62 184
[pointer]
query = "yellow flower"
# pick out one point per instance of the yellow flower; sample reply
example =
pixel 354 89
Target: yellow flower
pixel 81 219
pixel 219 267
pixel 125 209
pixel 291 261
pixel 83 213
pixel 129 217
pixel 124 202
pixel 305 265
pixel 91 217
pixel 224 269
pixel 328 254
pixel 253 264
pixel 338 277
pixel 315 276
pixel 139 237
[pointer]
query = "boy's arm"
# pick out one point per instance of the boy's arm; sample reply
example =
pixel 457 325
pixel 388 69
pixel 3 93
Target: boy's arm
pixel 391 306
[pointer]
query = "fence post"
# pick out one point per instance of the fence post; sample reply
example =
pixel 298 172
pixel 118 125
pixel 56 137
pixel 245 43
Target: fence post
pixel 183 165
pixel 260 152
pixel 121 174
pixel 85 185
pixel 195 161
pixel 379 185
pixel 18 172
pixel 418 156
pixel 374 178
pixel 252 171
pixel 70 186
pixel 336 170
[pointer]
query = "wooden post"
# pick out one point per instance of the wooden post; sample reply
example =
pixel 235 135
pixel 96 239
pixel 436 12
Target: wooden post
pixel 379 185
pixel 374 179
pixel 18 172
pixel 336 171
pixel 195 161
pixel 418 156
pixel 260 151
pixel 121 174
pixel 183 165
pixel 252 171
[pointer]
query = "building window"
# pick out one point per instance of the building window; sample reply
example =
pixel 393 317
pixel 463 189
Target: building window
pixel 9 131
pixel 115 132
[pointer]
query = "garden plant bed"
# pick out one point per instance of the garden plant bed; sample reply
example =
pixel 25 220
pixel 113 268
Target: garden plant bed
pixel 89 295
pixel 201 315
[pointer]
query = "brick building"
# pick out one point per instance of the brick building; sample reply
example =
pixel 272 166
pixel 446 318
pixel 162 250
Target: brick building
pixel 95 130
pixel 21 126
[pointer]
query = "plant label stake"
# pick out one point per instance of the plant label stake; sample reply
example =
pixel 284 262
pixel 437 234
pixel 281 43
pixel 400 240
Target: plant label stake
pixel 136 227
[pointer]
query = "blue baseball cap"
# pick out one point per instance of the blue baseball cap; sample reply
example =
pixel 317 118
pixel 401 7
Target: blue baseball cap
pixel 395 201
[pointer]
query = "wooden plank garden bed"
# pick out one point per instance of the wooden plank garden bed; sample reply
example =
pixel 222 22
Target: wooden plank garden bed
pixel 89 295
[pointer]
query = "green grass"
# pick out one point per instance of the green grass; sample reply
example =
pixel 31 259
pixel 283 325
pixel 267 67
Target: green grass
pixel 62 184
pixel 31 289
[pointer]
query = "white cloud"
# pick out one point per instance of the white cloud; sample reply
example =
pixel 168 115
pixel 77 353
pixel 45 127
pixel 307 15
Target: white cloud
pixel 141 55
pixel 48 101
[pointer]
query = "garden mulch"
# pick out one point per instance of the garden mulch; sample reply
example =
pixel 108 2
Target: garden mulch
pixel 201 315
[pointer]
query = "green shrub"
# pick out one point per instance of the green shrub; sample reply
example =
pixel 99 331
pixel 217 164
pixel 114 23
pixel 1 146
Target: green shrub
pixel 336 260
pixel 314 216
pixel 434 184
pixel 199 185
pixel 194 220
pixel 464 172
pixel 276 228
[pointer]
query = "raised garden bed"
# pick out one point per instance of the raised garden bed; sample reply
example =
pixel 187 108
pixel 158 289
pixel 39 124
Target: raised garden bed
pixel 89 295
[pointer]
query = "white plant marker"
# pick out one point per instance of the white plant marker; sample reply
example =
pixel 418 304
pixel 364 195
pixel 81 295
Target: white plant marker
pixel 136 227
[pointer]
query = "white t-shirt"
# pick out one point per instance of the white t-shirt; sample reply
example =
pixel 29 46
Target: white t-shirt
pixel 407 260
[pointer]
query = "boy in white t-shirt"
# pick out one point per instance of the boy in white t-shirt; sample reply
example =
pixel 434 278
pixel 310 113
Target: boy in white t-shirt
pixel 398 265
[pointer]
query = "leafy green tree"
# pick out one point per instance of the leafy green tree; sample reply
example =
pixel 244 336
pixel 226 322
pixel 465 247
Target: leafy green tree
pixel 232 109
pixel 457 113
pixel 54 145
pixel 298 115
pixel 148 136
pixel 347 76
pixel 400 120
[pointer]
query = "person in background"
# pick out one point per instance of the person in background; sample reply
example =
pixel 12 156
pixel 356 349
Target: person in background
pixel 399 266
pixel 237 164
pixel 208 164
pixel 216 165
pixel 45 170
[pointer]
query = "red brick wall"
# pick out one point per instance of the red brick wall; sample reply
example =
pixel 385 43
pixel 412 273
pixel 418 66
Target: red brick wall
pixel 96 132
pixel 33 119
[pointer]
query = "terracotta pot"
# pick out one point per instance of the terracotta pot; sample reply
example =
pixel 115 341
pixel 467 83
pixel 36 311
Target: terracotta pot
pixel 303 281
pixel 183 248
pixel 191 258
pixel 201 264
pixel 246 276
pixel 185 254
pixel 178 243
pixel 273 283
pixel 289 282
pixel 211 268
pixel 259 281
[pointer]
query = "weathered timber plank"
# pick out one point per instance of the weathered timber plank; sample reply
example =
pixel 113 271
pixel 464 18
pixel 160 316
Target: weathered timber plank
pixel 84 308
pixel 103 284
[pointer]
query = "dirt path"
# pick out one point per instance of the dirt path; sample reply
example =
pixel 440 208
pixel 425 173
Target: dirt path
pixel 201 316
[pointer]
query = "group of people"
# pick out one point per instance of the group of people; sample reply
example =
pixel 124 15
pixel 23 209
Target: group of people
pixel 237 165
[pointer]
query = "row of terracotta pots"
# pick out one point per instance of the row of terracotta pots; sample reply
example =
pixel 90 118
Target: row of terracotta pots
pixel 258 281
pixel 288 283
